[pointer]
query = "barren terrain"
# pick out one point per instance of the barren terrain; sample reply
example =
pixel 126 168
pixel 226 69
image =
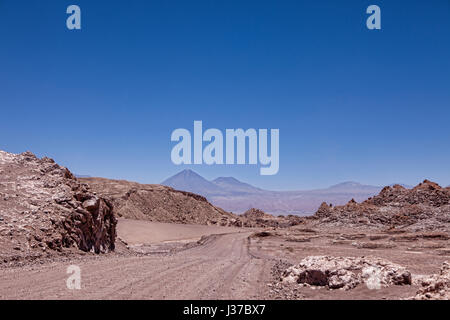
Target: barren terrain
pixel 235 196
pixel 220 267
pixel 170 244
pixel 159 203
pixel 136 232
pixel 238 264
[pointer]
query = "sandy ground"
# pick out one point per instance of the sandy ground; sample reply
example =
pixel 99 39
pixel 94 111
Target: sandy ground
pixel 421 256
pixel 228 264
pixel 135 232
pixel 221 268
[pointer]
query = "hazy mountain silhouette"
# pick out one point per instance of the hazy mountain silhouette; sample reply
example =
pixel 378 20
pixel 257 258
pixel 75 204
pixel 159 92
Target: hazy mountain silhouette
pixel 231 184
pixel 233 195
pixel 81 175
pixel 407 186
pixel 188 180
pixel 351 187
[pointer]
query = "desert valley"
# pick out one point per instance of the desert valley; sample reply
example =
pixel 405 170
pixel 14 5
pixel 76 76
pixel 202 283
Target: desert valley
pixel 237 196
pixel 142 241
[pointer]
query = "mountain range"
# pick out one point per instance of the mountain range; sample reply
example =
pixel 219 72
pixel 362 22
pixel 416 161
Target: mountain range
pixel 237 196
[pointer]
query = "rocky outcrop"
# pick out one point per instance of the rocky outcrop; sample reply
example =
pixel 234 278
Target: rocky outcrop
pixel 158 203
pixel 346 273
pixel 44 208
pixel 435 287
pixel 256 214
pixel 324 210
pixel 255 218
pixel 425 207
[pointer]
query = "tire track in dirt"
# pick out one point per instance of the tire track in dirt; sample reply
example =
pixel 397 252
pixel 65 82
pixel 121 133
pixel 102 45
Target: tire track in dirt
pixel 221 268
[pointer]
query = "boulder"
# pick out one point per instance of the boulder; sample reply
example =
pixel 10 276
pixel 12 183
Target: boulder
pixel 346 272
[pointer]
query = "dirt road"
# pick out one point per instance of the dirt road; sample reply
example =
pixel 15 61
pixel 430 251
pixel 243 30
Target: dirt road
pixel 221 268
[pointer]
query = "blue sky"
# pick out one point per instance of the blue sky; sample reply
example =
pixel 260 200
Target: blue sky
pixel 350 103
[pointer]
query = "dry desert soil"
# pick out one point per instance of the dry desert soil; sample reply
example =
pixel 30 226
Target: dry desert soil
pixel 143 241
pixel 174 261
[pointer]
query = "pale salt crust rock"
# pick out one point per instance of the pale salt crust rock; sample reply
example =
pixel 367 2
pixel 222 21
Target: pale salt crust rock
pixel 346 272
pixel 434 287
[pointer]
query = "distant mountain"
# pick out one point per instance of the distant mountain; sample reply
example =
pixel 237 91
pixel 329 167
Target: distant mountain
pixel 407 186
pixel 188 180
pixel 81 176
pixel 237 196
pixel 348 184
pixel 231 184
pixel 352 187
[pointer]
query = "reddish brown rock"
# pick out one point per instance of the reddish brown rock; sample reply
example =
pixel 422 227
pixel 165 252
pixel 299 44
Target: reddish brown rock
pixel 256 218
pixel 425 207
pixel 159 203
pixel 435 287
pixel 44 208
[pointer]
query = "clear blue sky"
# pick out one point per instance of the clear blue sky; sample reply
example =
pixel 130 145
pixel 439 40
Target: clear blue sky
pixel 350 103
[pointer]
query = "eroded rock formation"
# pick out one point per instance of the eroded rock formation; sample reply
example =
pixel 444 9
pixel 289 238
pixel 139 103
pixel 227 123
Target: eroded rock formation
pixel 435 287
pixel 44 208
pixel 425 207
pixel 159 203
pixel 347 272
